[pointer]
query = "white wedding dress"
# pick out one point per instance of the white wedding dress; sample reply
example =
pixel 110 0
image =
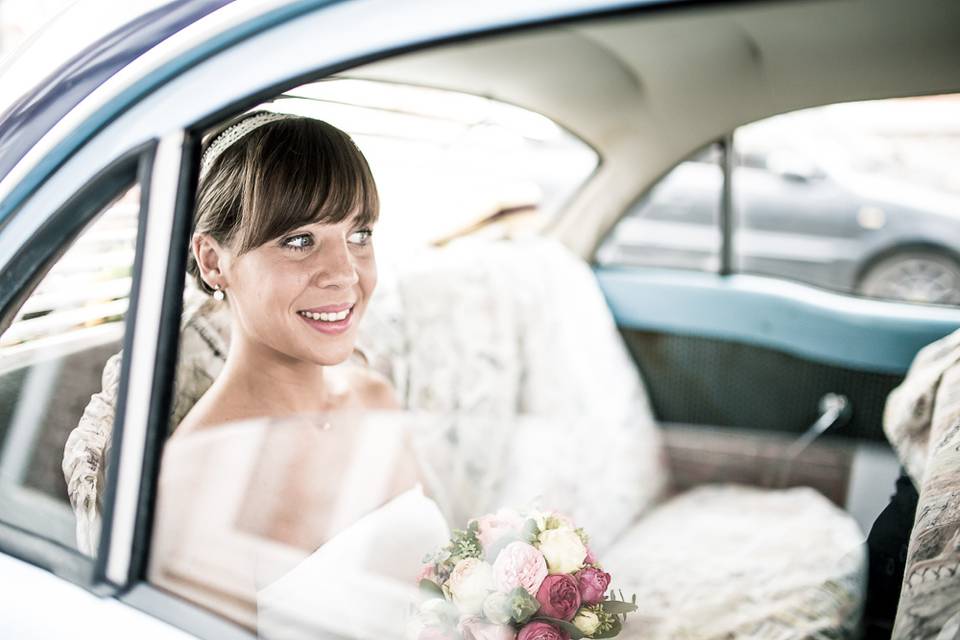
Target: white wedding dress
pixel 362 582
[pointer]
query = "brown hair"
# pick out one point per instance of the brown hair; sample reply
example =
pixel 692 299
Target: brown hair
pixel 280 176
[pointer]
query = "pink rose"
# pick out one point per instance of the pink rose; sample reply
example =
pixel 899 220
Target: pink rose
pixel 559 596
pixel 593 584
pixel 541 631
pixel 427 572
pixel 519 565
pixel 590 559
pixel 437 633
pixel 494 526
pixel 473 628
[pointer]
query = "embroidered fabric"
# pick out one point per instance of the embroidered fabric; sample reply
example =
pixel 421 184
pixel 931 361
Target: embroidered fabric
pixel 701 568
pixel 922 420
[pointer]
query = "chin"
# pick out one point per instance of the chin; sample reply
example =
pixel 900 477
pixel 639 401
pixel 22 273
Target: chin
pixel 332 357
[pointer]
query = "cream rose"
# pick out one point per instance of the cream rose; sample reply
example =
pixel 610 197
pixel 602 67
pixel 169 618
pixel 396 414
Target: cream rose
pixel 562 549
pixel 469 584
pixel 587 621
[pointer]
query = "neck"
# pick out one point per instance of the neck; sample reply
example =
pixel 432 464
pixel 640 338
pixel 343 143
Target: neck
pixel 272 381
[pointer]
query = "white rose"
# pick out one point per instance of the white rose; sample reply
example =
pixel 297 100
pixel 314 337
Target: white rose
pixel 496 608
pixel 469 584
pixel 563 550
pixel 587 621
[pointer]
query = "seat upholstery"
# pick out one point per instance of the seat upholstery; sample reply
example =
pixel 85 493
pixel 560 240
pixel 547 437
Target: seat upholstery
pixel 717 562
pixel 729 561
pixel 512 345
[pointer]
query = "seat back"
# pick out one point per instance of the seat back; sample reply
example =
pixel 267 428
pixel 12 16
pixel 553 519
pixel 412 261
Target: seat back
pixel 515 339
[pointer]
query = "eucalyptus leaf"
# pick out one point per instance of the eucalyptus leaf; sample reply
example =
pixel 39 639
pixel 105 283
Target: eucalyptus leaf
pixel 529 531
pixel 618 607
pixel 567 627
pixel 430 588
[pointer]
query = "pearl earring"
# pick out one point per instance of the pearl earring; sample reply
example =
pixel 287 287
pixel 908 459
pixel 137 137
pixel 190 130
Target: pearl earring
pixel 218 294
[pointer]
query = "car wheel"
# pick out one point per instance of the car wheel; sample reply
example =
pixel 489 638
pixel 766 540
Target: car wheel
pixel 919 276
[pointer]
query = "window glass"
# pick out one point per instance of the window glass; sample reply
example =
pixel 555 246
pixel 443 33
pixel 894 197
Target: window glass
pixel 446 163
pixel 52 359
pixel 676 223
pixel 859 197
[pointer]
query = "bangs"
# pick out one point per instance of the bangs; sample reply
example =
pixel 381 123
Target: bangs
pixel 302 171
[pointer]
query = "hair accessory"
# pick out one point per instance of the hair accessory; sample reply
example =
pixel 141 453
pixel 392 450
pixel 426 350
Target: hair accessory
pixel 218 294
pixel 234 132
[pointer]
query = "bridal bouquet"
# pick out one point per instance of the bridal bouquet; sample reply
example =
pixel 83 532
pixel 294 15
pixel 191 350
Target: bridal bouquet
pixel 513 576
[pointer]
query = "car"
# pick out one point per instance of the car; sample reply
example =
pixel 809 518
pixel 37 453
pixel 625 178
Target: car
pixel 720 433
pixel 856 233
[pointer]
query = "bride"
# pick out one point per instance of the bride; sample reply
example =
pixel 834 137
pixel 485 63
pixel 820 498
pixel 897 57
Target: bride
pixel 287 500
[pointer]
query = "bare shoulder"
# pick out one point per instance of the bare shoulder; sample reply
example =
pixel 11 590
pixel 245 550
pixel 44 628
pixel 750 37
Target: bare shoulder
pixel 374 390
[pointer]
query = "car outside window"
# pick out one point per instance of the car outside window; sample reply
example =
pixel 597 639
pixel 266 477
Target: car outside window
pixel 859 198
pixel 51 360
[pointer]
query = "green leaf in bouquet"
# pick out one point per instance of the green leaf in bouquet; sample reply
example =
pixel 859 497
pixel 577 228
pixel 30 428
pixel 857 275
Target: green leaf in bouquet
pixel 522 605
pixel 618 607
pixel 500 544
pixel 430 589
pixel 465 544
pixel 567 627
pixel 530 531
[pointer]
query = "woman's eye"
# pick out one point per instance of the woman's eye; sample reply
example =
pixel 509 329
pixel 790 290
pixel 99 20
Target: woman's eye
pixel 360 236
pixel 299 242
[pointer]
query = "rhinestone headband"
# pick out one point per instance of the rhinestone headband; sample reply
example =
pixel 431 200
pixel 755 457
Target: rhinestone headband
pixel 233 133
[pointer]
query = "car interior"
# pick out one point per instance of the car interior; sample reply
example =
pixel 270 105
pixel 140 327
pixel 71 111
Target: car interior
pixel 746 415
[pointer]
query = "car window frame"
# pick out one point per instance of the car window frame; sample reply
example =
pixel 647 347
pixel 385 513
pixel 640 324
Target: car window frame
pixel 23 271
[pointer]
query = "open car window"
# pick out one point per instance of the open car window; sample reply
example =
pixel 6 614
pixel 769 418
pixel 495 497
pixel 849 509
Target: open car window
pixel 859 198
pixel 52 361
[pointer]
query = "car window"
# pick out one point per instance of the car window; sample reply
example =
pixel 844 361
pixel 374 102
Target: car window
pixel 448 164
pixel 859 198
pixel 51 361
pixel 676 223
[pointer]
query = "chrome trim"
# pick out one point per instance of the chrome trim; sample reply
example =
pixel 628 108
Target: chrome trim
pixel 143 354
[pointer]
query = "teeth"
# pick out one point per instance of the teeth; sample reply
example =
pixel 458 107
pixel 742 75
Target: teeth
pixel 326 317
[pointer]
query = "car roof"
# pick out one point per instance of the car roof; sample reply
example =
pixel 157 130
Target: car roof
pixel 648 89
pixel 126 29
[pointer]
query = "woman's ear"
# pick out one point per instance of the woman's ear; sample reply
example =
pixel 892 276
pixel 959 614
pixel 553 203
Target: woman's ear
pixel 211 259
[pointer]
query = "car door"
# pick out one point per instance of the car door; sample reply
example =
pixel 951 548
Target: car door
pixel 73 269
pixel 779 321
pixel 150 120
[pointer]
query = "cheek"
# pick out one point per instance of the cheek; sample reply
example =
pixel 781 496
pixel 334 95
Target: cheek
pixel 269 286
pixel 367 274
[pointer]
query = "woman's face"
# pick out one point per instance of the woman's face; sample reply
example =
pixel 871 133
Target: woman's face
pixel 303 294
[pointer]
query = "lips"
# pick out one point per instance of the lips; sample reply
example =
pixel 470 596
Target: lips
pixel 329 319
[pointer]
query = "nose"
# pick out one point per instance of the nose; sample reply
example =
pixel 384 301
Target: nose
pixel 335 268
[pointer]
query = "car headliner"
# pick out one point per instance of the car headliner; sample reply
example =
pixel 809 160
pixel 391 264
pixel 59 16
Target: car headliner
pixel 649 89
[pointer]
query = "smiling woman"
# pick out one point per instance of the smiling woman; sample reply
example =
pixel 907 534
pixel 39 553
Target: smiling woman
pixel 284 216
pixel 283 242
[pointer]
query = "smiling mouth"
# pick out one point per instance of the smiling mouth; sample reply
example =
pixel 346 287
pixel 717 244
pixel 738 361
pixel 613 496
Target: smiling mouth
pixel 327 316
pixel 330 322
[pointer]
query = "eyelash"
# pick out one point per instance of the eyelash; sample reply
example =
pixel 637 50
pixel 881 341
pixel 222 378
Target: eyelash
pixel 367 233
